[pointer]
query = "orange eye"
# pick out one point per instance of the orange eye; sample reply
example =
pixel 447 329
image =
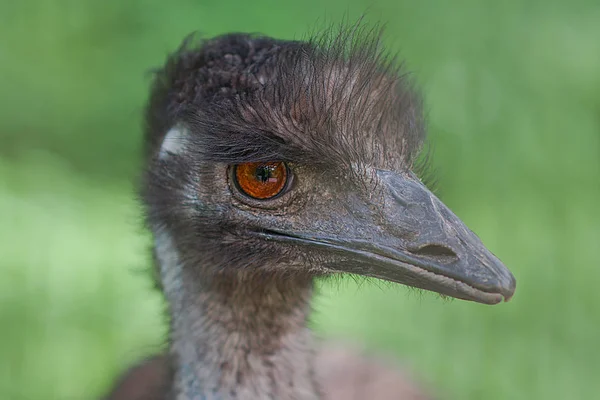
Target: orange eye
pixel 261 180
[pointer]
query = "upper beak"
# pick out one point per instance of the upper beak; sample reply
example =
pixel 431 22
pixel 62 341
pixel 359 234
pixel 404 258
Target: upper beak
pixel 413 239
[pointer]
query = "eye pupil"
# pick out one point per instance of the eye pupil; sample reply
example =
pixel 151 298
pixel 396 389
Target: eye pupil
pixel 263 173
pixel 261 180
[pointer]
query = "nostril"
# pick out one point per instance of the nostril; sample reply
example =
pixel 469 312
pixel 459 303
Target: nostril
pixel 436 251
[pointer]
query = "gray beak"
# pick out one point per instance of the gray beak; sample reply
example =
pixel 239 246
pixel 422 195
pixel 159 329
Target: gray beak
pixel 439 252
pixel 409 237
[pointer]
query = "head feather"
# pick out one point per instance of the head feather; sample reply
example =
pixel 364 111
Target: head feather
pixel 336 98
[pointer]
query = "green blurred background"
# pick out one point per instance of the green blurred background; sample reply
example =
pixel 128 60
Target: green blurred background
pixel 513 100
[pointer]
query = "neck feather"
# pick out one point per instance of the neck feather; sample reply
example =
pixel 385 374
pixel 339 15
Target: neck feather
pixel 236 335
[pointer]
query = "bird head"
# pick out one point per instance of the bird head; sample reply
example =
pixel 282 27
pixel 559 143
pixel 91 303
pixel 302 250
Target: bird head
pixel 283 158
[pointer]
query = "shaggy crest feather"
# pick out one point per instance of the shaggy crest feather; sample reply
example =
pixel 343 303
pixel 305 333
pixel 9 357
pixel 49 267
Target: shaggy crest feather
pixel 337 98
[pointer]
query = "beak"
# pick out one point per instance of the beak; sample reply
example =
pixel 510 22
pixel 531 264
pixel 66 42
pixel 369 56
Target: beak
pixel 412 238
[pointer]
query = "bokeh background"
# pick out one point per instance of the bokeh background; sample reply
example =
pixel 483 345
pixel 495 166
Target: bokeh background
pixel 513 100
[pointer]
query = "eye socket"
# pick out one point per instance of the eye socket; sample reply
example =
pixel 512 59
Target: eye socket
pixel 261 180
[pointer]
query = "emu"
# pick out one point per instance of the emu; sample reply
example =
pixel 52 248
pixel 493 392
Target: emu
pixel 271 163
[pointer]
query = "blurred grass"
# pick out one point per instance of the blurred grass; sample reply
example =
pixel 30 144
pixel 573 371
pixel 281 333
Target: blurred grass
pixel 513 92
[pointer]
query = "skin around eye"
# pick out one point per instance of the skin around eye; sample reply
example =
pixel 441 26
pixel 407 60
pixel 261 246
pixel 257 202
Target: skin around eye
pixel 261 180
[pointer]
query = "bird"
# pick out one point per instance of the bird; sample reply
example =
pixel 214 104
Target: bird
pixel 272 163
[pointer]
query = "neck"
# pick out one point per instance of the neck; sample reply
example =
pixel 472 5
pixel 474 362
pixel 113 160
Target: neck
pixel 236 335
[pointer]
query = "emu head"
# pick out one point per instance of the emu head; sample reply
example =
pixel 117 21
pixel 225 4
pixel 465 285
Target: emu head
pixel 279 158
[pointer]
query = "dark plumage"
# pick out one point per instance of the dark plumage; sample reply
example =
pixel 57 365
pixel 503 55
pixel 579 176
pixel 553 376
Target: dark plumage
pixel 344 125
pixel 336 99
